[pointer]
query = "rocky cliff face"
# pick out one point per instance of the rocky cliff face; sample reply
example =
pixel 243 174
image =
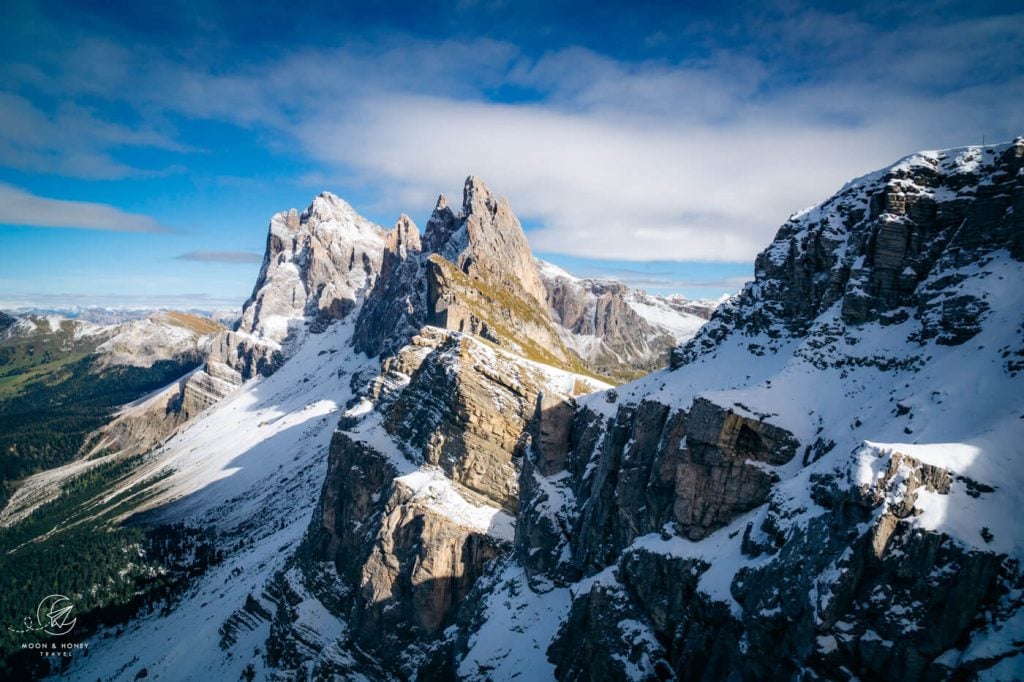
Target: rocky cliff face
pixel 886 248
pixel 396 307
pixel 807 492
pixel 481 278
pixel 620 332
pixel 317 265
pixel 422 484
pixel 781 504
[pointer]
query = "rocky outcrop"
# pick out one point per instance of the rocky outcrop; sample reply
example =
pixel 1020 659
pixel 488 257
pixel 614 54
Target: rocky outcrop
pixel 421 489
pixel 832 599
pixel 481 279
pixel 473 272
pixel 886 247
pixel 420 568
pixel 395 309
pixel 485 241
pixel 466 408
pixel 503 316
pixel 605 330
pixel 317 265
pixel 645 469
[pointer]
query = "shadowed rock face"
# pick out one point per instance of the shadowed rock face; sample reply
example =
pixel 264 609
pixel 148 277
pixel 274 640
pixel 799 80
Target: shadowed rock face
pixel 405 564
pixel 648 466
pixel 455 411
pixel 889 581
pixel 394 309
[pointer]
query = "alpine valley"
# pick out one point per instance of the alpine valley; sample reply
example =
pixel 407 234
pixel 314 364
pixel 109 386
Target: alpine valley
pixel 431 456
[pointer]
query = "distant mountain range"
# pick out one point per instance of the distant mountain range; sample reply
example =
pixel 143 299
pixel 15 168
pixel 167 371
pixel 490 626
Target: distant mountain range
pixel 115 315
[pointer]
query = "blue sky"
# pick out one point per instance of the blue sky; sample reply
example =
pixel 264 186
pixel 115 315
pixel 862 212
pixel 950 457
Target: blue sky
pixel 144 146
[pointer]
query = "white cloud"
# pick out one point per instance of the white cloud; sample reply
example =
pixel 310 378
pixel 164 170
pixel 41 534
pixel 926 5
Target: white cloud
pixel 18 207
pixel 603 188
pixel 696 160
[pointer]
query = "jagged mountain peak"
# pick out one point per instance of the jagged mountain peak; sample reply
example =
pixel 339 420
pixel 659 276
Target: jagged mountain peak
pixel 404 237
pixel 482 278
pixel 477 196
pixel 477 274
pixel 441 227
pixel 494 243
pixel 485 226
pixel 317 264
pixel 328 207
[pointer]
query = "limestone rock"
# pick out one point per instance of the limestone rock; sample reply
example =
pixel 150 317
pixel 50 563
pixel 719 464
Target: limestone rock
pixel 394 309
pixel 317 264
pixel 465 410
pixel 620 332
pixel 481 278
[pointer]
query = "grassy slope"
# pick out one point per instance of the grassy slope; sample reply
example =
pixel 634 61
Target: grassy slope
pixel 484 298
pixel 51 397
pixel 41 356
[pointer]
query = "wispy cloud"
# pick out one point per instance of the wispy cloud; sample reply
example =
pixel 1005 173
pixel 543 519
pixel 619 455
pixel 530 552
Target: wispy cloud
pixel 221 257
pixel 18 207
pixel 73 141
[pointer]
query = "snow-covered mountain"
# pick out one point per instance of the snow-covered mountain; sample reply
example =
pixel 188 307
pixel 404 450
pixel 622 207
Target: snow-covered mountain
pixel 822 486
pixel 621 332
pixel 61 379
pixel 112 315
pixel 412 471
pixel 138 342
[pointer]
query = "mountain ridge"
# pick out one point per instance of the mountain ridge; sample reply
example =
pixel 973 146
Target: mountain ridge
pixel 820 485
